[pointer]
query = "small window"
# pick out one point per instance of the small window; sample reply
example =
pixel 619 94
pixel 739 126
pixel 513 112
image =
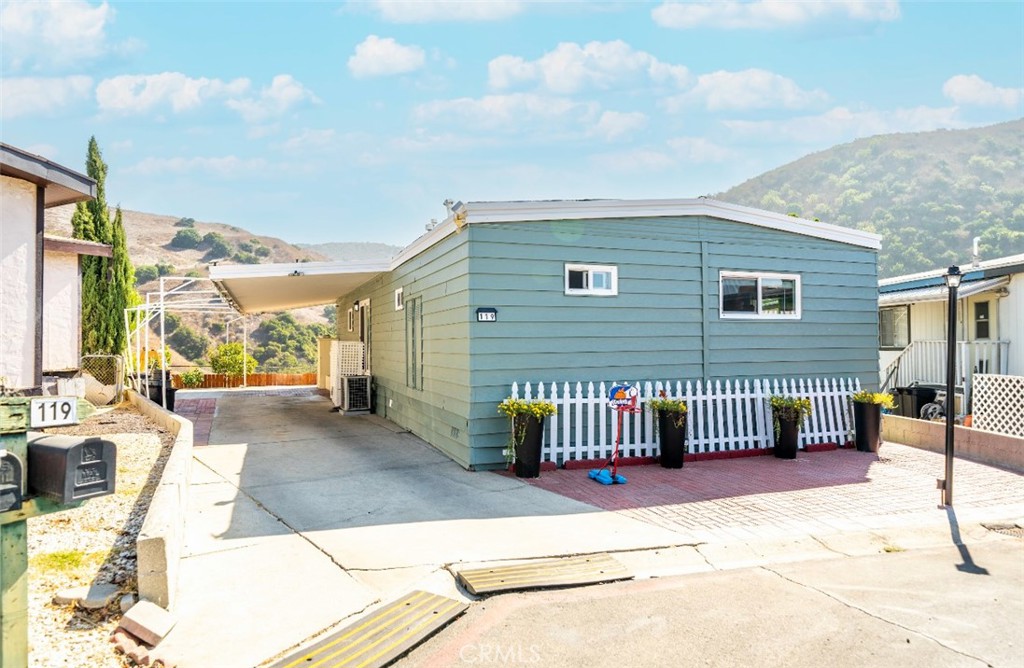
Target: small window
pixel 754 295
pixel 591 279
pixel 894 328
pixel 399 299
pixel 351 320
pixel 981 320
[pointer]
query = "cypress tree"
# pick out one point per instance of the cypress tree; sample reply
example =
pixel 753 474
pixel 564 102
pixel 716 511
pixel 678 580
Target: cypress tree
pixel 107 283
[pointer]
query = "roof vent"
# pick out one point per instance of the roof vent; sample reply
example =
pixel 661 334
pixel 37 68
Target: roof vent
pixel 975 255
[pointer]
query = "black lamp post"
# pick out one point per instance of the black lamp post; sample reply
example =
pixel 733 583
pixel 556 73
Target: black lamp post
pixel 952 277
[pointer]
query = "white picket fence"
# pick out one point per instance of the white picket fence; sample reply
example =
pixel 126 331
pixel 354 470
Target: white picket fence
pixel 721 417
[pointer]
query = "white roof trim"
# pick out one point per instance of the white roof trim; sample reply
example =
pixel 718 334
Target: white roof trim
pixel 966 268
pixel 508 212
pixel 938 293
pixel 220 272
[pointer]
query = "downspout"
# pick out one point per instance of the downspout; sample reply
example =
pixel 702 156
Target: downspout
pixel 705 364
pixel 37 371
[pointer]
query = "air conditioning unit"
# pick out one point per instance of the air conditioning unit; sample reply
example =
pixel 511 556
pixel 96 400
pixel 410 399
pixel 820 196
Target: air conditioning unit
pixel 355 394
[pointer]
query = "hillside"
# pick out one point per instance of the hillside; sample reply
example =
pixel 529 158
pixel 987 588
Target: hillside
pixel 353 251
pixel 928 194
pixel 284 342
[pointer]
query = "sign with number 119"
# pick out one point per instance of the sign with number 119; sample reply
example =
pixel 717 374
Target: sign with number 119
pixel 54 411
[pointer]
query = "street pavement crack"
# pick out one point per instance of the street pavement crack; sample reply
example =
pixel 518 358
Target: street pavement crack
pixel 880 618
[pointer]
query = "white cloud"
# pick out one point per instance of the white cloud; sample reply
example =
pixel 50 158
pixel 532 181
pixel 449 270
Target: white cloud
pixel 139 93
pixel 617 124
pixel 424 11
pixel 377 56
pixel 24 96
pixel 508 111
pixel 637 160
pixel 841 124
pixel 275 100
pixel 770 14
pixel 571 68
pixel 309 140
pixel 700 150
pixel 972 89
pixel 224 166
pixel 56 34
pixel 747 89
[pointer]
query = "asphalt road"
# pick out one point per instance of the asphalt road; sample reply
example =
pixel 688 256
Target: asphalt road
pixel 951 606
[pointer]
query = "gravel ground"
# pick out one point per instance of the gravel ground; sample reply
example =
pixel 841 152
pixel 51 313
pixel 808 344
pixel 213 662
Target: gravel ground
pixel 93 544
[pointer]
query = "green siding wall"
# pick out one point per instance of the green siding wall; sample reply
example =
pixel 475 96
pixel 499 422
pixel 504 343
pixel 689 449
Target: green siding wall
pixel 664 322
pixel 438 411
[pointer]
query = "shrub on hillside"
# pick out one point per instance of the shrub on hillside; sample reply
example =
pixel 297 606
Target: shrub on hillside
pixel 187 238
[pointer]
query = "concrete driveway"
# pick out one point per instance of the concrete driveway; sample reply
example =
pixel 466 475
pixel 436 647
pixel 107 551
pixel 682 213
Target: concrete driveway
pixel 300 518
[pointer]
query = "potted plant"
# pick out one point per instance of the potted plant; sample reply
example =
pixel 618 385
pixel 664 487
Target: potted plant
pixel 671 424
pixel 527 417
pixel 788 415
pixel 867 418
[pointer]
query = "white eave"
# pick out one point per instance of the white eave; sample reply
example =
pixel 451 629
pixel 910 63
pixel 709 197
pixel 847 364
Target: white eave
pixel 506 212
pixel 937 293
pixel 266 288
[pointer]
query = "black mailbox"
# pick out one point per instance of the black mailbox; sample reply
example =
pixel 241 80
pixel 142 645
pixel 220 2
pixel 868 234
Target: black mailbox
pixel 68 469
pixel 10 481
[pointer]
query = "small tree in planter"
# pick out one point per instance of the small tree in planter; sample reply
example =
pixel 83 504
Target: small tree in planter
pixel 193 378
pixel 671 421
pixel 867 418
pixel 788 415
pixel 527 418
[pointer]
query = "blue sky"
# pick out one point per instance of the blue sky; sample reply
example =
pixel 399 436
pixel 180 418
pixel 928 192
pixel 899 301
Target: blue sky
pixel 335 121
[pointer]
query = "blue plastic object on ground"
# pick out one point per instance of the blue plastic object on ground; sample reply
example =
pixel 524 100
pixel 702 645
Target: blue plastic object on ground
pixel 605 477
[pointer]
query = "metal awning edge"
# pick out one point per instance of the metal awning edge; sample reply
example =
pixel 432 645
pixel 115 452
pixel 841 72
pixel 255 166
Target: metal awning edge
pixel 940 292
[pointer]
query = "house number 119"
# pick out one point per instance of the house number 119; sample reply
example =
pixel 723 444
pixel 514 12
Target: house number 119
pixel 55 411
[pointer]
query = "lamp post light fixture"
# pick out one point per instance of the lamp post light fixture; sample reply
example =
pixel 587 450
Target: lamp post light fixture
pixel 952 278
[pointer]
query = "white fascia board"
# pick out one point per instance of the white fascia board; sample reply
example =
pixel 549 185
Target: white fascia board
pixel 507 212
pixel 443 229
pixel 995 263
pixel 222 272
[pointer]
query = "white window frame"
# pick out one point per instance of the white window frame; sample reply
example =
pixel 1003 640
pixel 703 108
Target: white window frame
pixel 351 320
pixel 611 291
pixel 399 299
pixel 758 315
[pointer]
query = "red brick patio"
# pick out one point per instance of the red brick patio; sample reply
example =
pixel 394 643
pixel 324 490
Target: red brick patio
pixel 823 491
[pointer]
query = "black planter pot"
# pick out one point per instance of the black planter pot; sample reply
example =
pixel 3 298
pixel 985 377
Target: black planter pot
pixel 867 425
pixel 155 391
pixel 671 440
pixel 528 432
pixel 787 440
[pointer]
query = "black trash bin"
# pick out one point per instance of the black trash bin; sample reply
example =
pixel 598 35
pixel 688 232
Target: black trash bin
pixel 901 397
pixel 917 397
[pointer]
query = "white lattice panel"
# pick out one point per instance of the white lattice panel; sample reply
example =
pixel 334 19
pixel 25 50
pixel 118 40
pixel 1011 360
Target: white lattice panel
pixel 346 358
pixel 999 403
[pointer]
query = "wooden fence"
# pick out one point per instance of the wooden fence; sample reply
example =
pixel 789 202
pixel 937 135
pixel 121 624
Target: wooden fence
pixel 721 416
pixel 218 380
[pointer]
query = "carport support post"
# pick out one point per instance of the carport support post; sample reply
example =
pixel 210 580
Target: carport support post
pixel 952 278
pixel 245 352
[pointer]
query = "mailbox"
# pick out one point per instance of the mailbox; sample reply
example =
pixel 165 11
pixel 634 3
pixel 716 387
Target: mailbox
pixel 69 469
pixel 10 481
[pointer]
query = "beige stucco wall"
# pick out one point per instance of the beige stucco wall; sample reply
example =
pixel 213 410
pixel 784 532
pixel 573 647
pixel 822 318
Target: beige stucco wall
pixel 974 444
pixel 17 282
pixel 62 289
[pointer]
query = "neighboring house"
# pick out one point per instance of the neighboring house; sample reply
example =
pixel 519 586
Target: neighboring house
pixel 913 324
pixel 598 290
pixel 28 185
pixel 62 301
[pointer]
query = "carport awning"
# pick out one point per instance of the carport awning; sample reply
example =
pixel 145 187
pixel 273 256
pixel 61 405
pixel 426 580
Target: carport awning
pixel 940 292
pixel 267 288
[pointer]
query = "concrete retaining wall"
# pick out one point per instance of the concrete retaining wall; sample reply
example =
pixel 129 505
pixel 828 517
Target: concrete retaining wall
pixel 976 445
pixel 161 541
